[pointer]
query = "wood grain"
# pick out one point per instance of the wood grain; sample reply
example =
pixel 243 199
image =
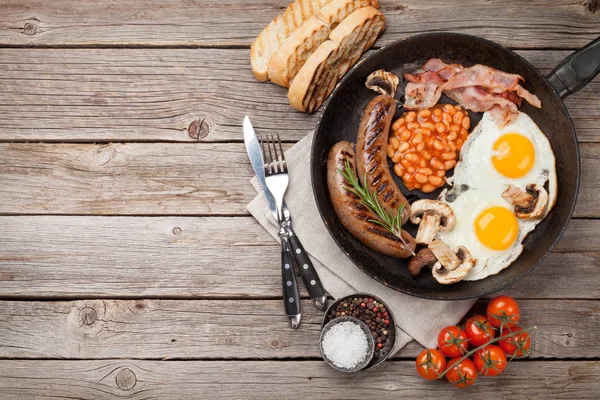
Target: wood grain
pixel 135 379
pixel 105 95
pixel 176 257
pixel 155 179
pixel 234 329
pixel 236 23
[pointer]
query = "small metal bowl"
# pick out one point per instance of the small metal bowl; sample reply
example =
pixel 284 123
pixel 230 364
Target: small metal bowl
pixel 370 343
pixel 384 353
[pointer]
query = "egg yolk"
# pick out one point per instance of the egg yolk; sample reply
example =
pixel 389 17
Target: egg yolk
pixel 514 155
pixel 497 228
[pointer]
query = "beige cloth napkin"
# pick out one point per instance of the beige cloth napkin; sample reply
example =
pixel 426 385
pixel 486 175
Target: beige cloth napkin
pixel 416 318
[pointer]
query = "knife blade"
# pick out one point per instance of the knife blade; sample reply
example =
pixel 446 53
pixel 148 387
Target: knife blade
pixel 305 267
pixel 258 165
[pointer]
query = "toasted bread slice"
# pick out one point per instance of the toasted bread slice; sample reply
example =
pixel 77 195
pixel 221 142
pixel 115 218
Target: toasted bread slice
pixel 268 41
pixel 295 50
pixel 321 72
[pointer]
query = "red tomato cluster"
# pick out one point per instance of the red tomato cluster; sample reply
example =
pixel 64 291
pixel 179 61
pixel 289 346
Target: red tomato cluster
pixel 460 344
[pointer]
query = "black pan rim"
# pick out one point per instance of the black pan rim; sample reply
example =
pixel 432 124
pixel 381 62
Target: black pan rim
pixel 405 290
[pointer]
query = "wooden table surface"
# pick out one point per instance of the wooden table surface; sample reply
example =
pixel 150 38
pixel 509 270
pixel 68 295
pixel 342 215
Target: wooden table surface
pixel 129 266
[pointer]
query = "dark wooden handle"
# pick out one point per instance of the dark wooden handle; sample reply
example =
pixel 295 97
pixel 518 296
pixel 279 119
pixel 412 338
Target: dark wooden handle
pixel 291 294
pixel 307 270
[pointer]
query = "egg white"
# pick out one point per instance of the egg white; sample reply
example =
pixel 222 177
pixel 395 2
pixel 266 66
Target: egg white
pixel 485 187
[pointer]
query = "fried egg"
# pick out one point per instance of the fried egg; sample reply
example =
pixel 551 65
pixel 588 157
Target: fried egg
pixel 490 160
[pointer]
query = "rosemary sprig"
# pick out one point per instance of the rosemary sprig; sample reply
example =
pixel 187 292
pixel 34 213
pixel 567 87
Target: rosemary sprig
pixel 392 223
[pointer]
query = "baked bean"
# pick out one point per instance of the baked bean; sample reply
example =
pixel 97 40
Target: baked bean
pixel 398 170
pixel 397 124
pixel 446 119
pixel 457 107
pixel 419 177
pixel 448 156
pixel 422 131
pixel 428 188
pixel 466 123
pixel 424 114
pixel 390 151
pixel 449 109
pixel 437 164
pixel 458 117
pixel 429 125
pixel 413 125
pixel 417 139
pixel 425 145
pixel 449 164
pixel 412 157
pixel 435 180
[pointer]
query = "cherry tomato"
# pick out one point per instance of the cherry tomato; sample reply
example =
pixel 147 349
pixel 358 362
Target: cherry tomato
pixel 503 311
pixel 462 375
pixel 430 363
pixel 452 341
pixel 479 330
pixel 490 361
pixel 516 346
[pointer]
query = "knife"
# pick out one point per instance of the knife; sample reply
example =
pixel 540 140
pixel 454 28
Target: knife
pixel 308 273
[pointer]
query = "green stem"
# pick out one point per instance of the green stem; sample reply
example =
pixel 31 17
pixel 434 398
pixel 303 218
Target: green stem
pixel 471 352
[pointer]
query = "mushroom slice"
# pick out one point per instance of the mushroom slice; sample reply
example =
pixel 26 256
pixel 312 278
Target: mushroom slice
pixel 424 258
pixel 446 276
pixel 445 256
pixel 433 216
pixel 383 82
pixel 530 203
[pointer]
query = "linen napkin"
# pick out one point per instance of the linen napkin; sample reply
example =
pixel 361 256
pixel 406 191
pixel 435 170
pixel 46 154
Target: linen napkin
pixel 416 318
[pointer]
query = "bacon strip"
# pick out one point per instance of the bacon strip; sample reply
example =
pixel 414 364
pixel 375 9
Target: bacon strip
pixel 477 88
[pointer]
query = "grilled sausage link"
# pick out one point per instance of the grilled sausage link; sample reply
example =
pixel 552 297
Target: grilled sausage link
pixel 354 215
pixel 371 151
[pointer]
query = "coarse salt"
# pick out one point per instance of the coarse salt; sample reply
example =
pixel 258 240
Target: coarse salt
pixel 345 345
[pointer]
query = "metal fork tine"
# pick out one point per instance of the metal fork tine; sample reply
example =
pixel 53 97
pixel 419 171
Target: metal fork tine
pixel 265 155
pixel 283 163
pixel 276 158
pixel 272 160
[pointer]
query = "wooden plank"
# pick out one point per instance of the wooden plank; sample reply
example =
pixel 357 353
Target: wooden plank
pixel 159 179
pixel 234 329
pixel 135 379
pixel 237 22
pixel 158 94
pixel 83 257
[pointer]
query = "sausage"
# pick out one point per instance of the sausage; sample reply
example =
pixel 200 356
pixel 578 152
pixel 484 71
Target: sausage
pixel 354 215
pixel 371 149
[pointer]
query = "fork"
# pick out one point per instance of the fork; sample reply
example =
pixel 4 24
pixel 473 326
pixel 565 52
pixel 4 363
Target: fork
pixel 277 179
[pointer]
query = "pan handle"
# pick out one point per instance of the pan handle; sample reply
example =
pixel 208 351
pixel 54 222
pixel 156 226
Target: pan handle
pixel 577 70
